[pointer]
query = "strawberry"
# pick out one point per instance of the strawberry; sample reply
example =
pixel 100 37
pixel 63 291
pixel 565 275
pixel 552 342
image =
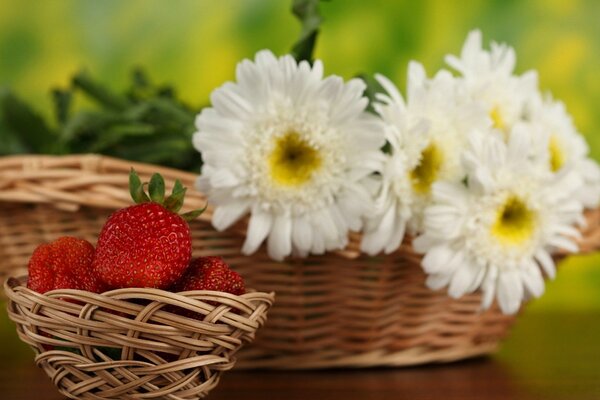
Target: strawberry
pixel 211 273
pixel 148 244
pixel 63 264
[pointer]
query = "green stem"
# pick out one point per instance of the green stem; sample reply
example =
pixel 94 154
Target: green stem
pixel 307 11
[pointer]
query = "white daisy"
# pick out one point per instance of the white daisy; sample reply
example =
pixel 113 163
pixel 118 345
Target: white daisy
pixel 490 79
pixel 426 134
pixel 567 148
pixel 497 231
pixel 294 150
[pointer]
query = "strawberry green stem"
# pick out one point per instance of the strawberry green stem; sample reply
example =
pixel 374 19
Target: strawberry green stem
pixel 156 194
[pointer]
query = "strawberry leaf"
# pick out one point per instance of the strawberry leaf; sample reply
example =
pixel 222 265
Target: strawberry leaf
pixel 175 201
pixel 192 215
pixel 157 188
pixel 136 188
pixel 178 187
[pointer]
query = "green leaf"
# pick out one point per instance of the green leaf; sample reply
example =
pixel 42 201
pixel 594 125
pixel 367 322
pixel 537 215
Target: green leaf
pixel 172 111
pixel 146 123
pixel 372 89
pixel 62 100
pixel 178 187
pixel 9 140
pixel 32 130
pixel 136 188
pixel 192 215
pixel 139 78
pixel 86 123
pixel 307 11
pixel 117 133
pixel 99 92
pixel 164 149
pixel 141 88
pixel 175 201
pixel 137 112
pixel 157 188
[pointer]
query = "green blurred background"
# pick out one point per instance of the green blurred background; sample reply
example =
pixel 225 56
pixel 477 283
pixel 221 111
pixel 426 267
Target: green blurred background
pixel 194 45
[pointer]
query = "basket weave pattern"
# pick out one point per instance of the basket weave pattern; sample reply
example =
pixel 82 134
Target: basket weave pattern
pixel 338 310
pixel 128 342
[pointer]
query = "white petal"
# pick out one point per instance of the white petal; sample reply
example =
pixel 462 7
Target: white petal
pixel 510 292
pixel 390 88
pixel 461 280
pixel 416 79
pixel 318 243
pixel 437 281
pixel 561 242
pixel 488 287
pixel 302 234
pixel 227 214
pixel 480 273
pixel 533 280
pixel 437 259
pixel 229 103
pixel 221 178
pixel 373 242
pixel 423 243
pixel 452 193
pixel 279 243
pixel 520 143
pixel 397 235
pixel 353 207
pixel 203 183
pixel 546 262
pixel 258 229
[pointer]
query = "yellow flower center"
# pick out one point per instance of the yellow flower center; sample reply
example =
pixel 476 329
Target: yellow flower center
pixel 515 222
pixel 427 171
pixel 497 119
pixel 557 156
pixel 293 160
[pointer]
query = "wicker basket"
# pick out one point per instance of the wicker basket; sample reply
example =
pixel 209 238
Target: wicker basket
pixel 135 343
pixel 339 310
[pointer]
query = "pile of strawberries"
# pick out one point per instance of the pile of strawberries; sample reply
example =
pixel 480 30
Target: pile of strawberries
pixel 146 245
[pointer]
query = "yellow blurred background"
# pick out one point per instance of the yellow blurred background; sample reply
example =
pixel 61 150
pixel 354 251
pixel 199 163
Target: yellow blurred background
pixel 195 44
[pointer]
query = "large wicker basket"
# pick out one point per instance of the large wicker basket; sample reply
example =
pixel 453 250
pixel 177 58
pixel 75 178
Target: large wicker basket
pixel 339 310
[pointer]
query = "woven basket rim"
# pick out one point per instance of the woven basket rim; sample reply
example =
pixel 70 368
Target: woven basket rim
pixel 12 282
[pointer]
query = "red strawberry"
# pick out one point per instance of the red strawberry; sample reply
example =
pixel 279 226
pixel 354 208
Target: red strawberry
pixel 63 264
pixel 211 273
pixel 148 244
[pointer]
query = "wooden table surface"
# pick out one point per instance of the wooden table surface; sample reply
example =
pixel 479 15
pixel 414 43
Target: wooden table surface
pixel 547 357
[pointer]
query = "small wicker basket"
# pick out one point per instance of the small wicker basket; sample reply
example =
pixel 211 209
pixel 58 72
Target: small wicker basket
pixel 342 309
pixel 135 343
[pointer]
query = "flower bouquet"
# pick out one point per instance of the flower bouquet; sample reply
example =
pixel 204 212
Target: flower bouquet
pixel 395 229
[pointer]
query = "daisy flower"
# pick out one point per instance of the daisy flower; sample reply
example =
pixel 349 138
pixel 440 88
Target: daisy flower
pixel 426 134
pixel 567 148
pixel 293 149
pixel 497 232
pixel 490 79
